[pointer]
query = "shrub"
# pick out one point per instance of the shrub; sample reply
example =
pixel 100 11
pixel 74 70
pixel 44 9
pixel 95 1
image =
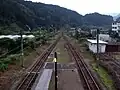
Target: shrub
pixel 3 66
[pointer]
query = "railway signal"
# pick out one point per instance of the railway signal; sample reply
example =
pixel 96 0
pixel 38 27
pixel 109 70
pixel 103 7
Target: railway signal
pixel 55 60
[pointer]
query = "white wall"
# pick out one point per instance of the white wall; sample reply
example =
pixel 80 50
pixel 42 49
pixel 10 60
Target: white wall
pixel 93 47
pixel 117 25
pixel 104 37
pixel 16 36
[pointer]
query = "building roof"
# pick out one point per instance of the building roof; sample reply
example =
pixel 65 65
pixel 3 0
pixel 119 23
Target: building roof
pixel 16 36
pixel 113 43
pixel 104 37
pixel 95 41
pixel 116 21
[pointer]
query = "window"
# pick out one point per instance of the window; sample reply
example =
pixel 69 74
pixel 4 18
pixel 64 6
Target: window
pixel 114 23
pixel 114 27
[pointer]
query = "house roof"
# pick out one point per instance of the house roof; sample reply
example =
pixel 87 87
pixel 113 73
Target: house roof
pixel 116 21
pixel 113 43
pixel 95 41
pixel 16 36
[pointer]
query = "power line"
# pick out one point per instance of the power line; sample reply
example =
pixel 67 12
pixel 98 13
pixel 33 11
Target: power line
pixel 13 50
pixel 10 51
pixel 3 55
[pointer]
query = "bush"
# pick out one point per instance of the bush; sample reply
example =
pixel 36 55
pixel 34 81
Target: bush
pixel 3 66
pixel 12 59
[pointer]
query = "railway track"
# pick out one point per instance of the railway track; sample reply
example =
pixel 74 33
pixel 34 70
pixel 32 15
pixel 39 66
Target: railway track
pixel 109 58
pixel 89 82
pixel 30 78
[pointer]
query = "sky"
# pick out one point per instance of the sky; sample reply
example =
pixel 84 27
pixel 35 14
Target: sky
pixel 87 6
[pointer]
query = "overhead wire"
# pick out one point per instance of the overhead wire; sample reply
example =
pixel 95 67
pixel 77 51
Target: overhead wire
pixel 3 55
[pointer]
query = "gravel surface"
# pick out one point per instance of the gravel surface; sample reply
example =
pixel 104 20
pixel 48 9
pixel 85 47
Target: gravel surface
pixel 69 80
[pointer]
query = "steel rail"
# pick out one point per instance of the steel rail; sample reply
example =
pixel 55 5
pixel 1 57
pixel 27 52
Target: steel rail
pixel 89 81
pixel 30 78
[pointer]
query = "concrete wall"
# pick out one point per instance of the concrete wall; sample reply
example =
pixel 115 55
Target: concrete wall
pixel 93 47
pixel 115 26
pixel 104 37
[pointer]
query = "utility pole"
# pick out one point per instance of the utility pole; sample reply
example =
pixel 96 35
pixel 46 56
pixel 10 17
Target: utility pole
pixel 97 46
pixel 22 53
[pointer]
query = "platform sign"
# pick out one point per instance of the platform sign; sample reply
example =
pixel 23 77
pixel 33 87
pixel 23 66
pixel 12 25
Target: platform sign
pixel 54 60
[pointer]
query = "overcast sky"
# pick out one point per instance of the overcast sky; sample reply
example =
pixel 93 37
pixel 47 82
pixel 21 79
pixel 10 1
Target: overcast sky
pixel 87 6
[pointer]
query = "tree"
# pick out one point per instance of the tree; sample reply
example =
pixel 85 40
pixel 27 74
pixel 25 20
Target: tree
pixel 114 34
pixel 35 15
pixel 7 44
pixel 77 35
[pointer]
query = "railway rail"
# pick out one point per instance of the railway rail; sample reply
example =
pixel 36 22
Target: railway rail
pixel 30 78
pixel 108 57
pixel 89 82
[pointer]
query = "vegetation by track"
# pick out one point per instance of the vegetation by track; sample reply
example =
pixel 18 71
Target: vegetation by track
pixel 100 72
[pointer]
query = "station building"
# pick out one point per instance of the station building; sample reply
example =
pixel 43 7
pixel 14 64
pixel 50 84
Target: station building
pixel 103 46
pixel 92 44
pixel 113 47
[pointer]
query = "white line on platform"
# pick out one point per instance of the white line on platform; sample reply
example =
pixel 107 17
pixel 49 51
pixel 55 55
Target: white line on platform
pixel 44 80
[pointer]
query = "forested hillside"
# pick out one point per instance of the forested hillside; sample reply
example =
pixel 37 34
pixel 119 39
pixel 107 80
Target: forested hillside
pixel 97 19
pixel 118 19
pixel 16 14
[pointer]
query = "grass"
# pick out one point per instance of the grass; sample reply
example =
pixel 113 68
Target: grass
pixel 117 56
pixel 88 54
pixel 104 76
pixel 83 47
pixel 62 53
pixel 63 56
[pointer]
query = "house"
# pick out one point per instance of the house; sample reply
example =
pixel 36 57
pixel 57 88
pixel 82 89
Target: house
pixel 93 32
pixel 105 37
pixel 113 47
pixel 72 28
pixel 104 31
pixel 79 30
pixel 92 44
pixel 116 26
